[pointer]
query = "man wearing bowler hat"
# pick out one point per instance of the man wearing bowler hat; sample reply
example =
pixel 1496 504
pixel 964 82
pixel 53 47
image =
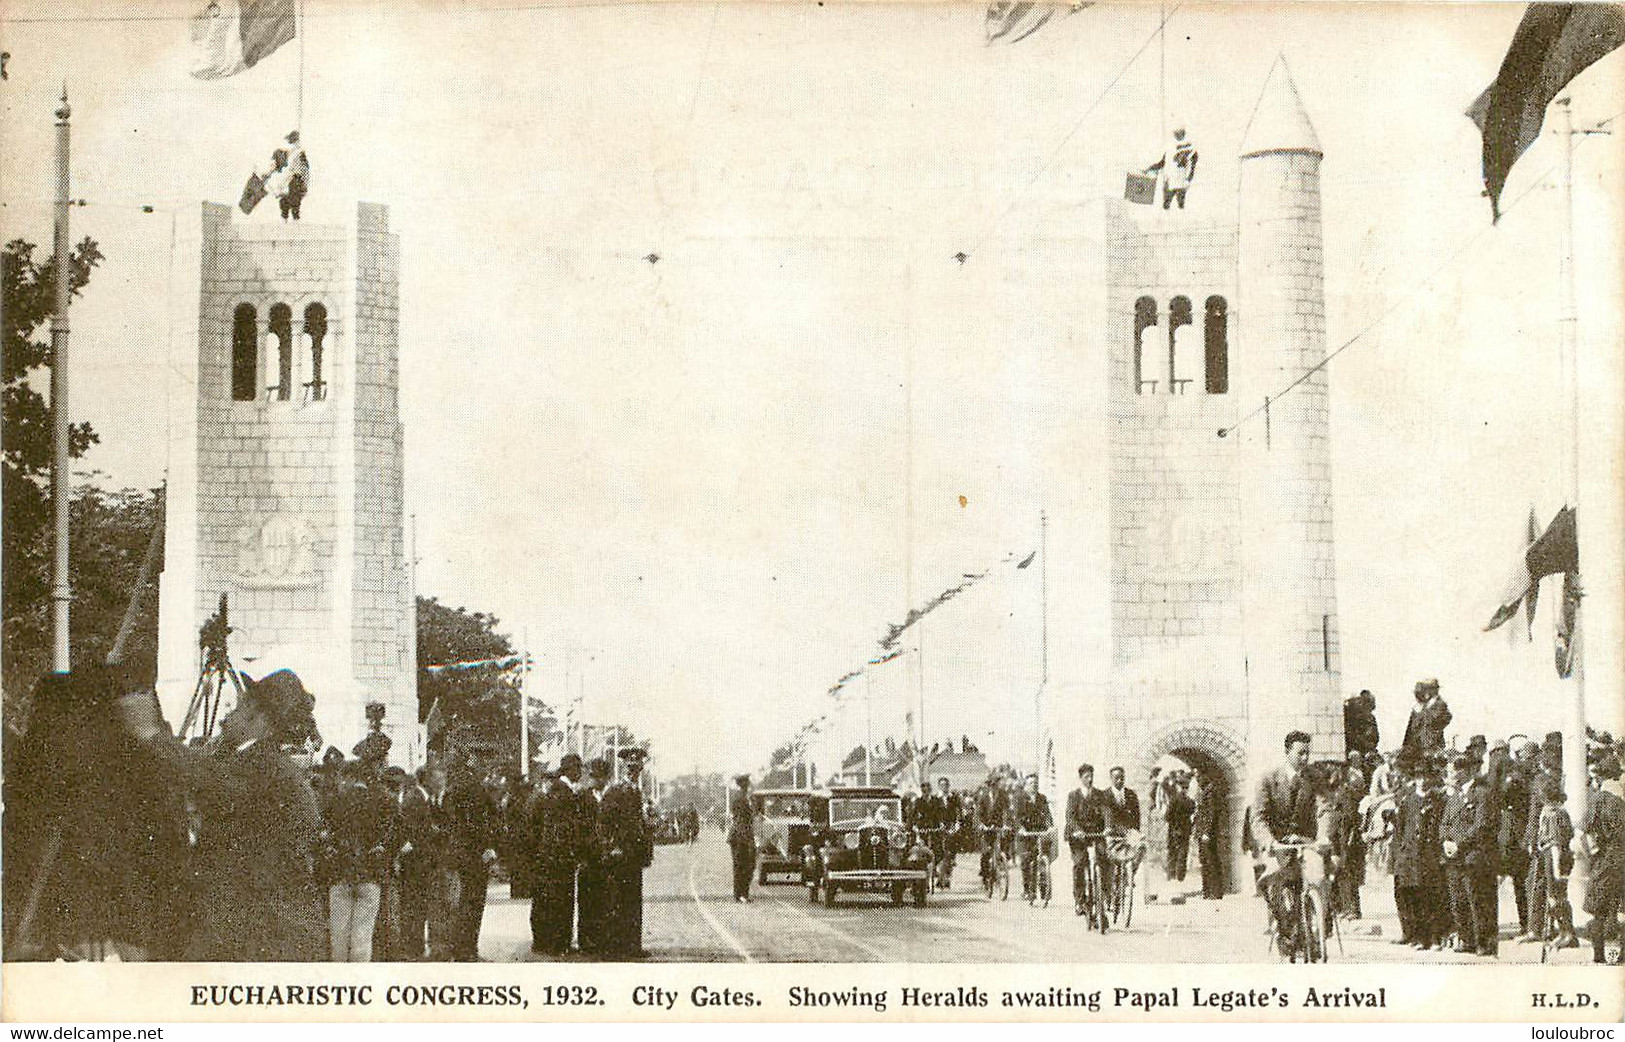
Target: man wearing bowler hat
pixel 259 824
pixel 1424 731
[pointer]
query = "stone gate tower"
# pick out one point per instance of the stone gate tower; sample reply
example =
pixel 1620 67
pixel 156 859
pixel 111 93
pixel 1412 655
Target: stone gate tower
pixel 1223 605
pixel 285 467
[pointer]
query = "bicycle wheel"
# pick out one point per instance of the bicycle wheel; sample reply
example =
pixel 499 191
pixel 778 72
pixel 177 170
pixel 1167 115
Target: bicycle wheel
pixel 1004 879
pixel 1043 883
pixel 1097 889
pixel 1128 897
pixel 1312 918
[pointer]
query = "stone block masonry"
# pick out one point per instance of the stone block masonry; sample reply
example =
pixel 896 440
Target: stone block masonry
pixel 286 467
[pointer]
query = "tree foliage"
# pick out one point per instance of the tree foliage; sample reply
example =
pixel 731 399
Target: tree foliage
pixel 26 426
pixel 109 533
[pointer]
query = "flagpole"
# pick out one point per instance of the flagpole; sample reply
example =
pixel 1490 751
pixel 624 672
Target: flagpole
pixel 61 586
pixel 299 30
pixel 1574 748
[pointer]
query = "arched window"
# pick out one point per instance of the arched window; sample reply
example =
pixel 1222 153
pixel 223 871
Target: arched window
pixel 316 330
pixel 281 325
pixel 1180 363
pixel 1216 345
pixel 245 370
pixel 1145 317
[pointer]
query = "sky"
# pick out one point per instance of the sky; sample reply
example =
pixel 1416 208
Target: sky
pixel 698 490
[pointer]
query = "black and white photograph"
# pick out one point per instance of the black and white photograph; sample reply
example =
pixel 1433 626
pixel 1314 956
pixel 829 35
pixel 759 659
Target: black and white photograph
pixel 596 484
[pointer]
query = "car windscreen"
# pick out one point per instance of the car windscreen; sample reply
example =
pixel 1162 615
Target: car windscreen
pixel 785 807
pixel 854 810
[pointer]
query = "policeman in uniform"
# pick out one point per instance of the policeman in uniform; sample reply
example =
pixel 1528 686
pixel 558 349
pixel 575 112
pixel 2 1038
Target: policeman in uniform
pixel 742 836
pixel 629 849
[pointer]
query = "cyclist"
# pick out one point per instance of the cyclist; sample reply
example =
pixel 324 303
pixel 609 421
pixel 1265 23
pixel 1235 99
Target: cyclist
pixel 992 811
pixel 1283 812
pixel 1030 811
pixel 1085 818
pixel 939 815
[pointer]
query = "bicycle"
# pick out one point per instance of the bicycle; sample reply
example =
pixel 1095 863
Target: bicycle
pixel 995 865
pixel 1034 847
pixel 938 839
pixel 1308 886
pixel 1093 901
pixel 1123 859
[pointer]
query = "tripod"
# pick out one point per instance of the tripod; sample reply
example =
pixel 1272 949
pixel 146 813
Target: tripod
pixel 217 672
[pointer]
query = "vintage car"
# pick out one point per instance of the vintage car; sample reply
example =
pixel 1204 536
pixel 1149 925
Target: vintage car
pixel 783 830
pixel 860 843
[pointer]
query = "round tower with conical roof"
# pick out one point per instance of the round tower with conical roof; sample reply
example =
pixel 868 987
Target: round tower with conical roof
pixel 1289 591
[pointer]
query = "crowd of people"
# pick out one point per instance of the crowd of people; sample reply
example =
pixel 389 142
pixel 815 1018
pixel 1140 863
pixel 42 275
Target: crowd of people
pixel 355 860
pixel 1448 825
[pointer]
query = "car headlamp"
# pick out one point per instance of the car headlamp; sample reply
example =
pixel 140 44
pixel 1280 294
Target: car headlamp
pixel 899 840
pixel 850 841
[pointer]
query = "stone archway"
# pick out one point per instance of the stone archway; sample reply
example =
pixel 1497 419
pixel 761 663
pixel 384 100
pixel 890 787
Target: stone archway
pixel 1216 751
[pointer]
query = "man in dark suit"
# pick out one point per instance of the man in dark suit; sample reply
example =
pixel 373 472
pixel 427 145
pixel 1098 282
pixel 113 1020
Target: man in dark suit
pixel 1206 820
pixel 1421 896
pixel 938 812
pixel 742 836
pixel 1085 820
pixel 1468 835
pixel 1283 811
pixel 1031 813
pixel 592 885
pixel 1180 810
pixel 1515 806
pixel 1424 731
pixel 992 815
pixel 559 836
pixel 1122 805
pixel 468 851
pixel 629 849
pixel 258 828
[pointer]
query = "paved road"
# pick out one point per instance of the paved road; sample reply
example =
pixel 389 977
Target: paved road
pixel 690 916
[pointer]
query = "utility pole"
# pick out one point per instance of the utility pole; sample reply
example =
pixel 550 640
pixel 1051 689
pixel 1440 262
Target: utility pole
pixel 61 589
pixel 1043 640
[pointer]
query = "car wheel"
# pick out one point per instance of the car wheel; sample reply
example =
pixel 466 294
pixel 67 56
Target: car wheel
pixel 919 895
pixel 812 893
pixel 829 895
pixel 898 891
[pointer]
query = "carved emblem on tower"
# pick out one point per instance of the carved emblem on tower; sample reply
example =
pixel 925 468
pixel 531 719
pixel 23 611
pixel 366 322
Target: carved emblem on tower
pixel 277 552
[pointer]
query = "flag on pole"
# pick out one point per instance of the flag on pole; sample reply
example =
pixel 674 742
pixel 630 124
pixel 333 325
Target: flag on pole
pixel 1554 43
pixel 1011 21
pixel 1557 550
pixel 229 36
pixel 1567 618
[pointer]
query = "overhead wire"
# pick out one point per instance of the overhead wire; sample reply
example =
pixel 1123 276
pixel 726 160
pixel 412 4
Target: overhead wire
pixel 1070 134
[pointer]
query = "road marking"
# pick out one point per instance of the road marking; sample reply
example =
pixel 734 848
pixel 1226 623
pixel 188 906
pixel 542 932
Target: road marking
pixel 705 913
pixel 871 950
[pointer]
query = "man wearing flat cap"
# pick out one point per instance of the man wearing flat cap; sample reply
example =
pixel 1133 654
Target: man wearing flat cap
pixel 742 836
pixel 258 824
pixel 1424 732
pixel 628 850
